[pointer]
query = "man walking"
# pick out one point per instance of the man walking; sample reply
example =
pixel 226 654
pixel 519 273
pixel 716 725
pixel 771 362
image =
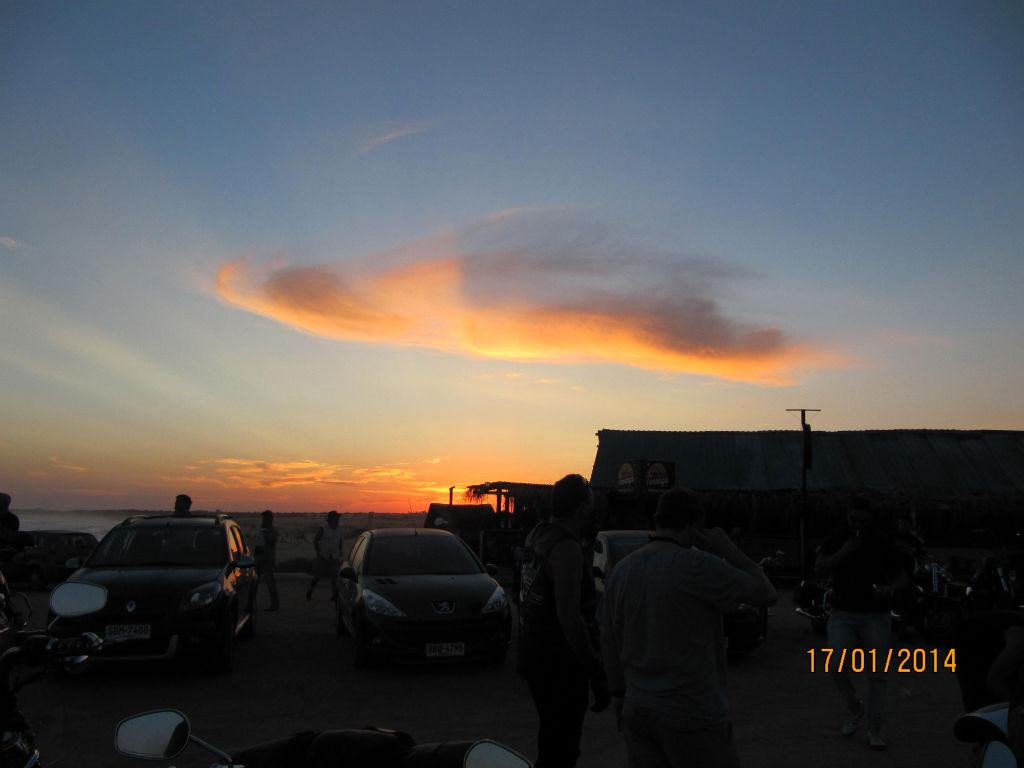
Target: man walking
pixel 329 547
pixel 663 641
pixel 866 570
pixel 556 654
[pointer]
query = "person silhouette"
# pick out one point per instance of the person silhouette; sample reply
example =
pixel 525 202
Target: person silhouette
pixel 266 557
pixel 329 546
pixel 182 505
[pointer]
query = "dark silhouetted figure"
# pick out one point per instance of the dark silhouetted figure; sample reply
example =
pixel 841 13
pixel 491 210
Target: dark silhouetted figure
pixel 266 557
pixel 1006 680
pixel 328 545
pixel 557 655
pixel 182 505
pixel 663 641
pixel 12 541
pixel 866 570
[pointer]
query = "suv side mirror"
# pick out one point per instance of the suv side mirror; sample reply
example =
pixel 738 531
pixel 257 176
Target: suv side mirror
pixel 348 572
pixel 245 561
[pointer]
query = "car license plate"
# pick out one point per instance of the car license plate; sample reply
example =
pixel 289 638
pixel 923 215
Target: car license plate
pixel 120 632
pixel 446 649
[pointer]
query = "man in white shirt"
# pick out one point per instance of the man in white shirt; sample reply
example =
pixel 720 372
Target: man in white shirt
pixel 663 641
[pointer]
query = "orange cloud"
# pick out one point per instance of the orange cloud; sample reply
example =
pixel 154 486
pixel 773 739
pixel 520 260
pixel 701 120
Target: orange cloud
pixel 529 287
pixel 62 465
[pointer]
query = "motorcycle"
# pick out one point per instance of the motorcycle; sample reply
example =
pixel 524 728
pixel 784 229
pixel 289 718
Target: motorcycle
pixel 992 587
pixel 933 606
pixel 36 651
pixel 814 600
pixel 164 734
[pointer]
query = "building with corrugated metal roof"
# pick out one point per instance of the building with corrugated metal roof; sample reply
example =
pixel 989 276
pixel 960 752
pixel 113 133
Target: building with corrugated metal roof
pixel 958 482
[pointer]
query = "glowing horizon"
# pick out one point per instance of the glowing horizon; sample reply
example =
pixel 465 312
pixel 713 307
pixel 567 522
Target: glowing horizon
pixel 242 259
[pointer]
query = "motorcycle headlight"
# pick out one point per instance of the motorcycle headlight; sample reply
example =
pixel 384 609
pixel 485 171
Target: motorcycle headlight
pixel 377 604
pixel 498 601
pixel 201 596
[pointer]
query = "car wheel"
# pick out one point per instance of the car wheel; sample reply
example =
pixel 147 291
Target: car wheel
pixel 249 630
pixel 35 578
pixel 340 627
pixel 361 656
pixel 941 621
pixel 223 660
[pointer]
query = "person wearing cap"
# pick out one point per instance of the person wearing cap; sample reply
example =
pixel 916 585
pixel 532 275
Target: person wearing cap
pixel 266 557
pixel 329 547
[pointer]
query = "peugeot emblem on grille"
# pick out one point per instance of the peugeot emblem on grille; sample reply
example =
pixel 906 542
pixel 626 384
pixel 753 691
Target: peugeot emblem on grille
pixel 444 606
pixel 130 606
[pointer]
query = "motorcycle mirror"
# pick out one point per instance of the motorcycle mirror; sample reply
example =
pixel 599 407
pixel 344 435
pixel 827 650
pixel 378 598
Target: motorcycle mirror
pixel 159 735
pixel 491 754
pixel 997 755
pixel 77 599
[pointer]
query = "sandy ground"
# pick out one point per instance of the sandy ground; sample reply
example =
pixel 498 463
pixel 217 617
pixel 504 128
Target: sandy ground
pixel 297 674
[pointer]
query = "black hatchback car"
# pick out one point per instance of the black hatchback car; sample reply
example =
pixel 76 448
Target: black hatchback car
pixel 421 594
pixel 173 583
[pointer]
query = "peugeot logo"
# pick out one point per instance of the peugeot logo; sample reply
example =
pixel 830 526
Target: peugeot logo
pixel 130 606
pixel 444 606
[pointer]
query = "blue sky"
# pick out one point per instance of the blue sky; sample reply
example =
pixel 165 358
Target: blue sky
pixel 345 255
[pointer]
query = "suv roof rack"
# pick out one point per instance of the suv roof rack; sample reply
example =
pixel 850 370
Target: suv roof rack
pixel 214 517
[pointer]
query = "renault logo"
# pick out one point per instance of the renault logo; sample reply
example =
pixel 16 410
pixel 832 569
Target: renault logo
pixel 444 606
pixel 130 606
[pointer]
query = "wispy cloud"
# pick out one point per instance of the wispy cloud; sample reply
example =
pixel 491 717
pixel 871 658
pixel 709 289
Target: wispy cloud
pixel 264 474
pixel 10 243
pixel 73 467
pixel 389 131
pixel 531 286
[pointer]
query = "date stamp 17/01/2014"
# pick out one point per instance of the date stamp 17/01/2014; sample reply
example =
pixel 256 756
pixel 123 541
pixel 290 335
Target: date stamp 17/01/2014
pixel 902 660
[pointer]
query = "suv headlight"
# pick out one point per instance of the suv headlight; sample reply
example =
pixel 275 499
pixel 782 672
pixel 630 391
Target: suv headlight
pixel 498 601
pixel 201 596
pixel 377 604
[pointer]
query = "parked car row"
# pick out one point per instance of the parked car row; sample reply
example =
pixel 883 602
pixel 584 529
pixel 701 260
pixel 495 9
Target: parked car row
pixel 175 584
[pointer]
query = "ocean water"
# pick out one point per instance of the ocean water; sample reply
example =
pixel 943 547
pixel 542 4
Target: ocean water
pixel 95 522
pixel 98 522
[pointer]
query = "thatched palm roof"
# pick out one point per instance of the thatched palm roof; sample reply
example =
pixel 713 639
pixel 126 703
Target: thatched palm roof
pixel 517 495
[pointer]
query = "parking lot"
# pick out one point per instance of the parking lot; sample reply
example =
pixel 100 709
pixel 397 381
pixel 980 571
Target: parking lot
pixel 297 674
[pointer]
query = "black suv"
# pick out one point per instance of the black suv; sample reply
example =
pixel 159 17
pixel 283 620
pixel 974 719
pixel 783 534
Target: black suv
pixel 173 584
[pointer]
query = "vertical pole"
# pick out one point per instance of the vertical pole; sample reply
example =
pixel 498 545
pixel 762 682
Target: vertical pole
pixel 804 453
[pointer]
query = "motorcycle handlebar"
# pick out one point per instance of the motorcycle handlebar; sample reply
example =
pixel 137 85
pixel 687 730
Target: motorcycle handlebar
pixel 84 645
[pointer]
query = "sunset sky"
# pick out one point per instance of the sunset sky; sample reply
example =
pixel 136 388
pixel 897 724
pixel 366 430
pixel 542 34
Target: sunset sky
pixel 344 255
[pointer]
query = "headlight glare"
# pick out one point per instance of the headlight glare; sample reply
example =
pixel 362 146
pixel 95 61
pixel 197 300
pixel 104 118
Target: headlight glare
pixel 201 596
pixel 498 601
pixel 377 604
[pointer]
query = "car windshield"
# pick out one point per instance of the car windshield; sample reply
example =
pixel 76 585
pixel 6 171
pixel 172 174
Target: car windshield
pixel 620 546
pixel 166 546
pixel 419 555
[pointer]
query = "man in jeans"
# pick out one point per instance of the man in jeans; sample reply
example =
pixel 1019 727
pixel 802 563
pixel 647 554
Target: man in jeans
pixel 866 569
pixel 663 640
